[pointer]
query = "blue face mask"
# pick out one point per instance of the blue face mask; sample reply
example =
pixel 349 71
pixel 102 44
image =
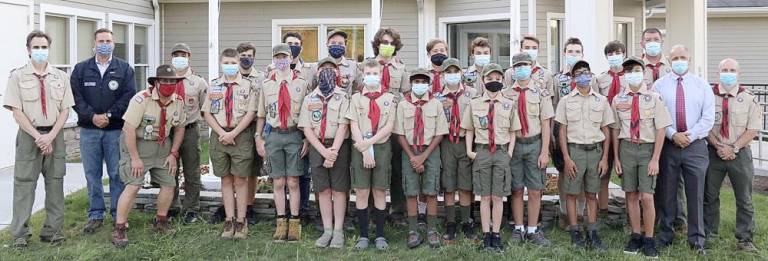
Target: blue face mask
pixel 680 67
pixel 583 80
pixel 533 53
pixel 570 60
pixel 419 89
pixel 39 55
pixel 523 72
pixel 452 78
pixel 337 50
pixel 653 48
pixel 327 81
pixel 180 63
pixel 634 78
pixel 104 49
pixel 371 81
pixel 482 60
pixel 615 60
pixel 728 79
pixel 295 51
pixel 229 69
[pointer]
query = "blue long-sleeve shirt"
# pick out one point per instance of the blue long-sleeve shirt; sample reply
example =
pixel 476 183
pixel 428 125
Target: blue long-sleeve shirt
pixel 97 94
pixel 699 104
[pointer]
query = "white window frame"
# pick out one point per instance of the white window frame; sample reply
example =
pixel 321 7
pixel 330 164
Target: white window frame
pixel 72 15
pixel 630 32
pixel 550 17
pixel 152 50
pixel 322 25
pixel 444 22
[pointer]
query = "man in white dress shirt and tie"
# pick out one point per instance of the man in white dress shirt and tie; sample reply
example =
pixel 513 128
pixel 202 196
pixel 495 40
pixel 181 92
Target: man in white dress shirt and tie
pixel 690 102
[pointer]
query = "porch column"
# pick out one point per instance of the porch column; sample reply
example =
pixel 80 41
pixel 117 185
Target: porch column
pixel 213 39
pixel 592 22
pixel 687 25
pixel 514 27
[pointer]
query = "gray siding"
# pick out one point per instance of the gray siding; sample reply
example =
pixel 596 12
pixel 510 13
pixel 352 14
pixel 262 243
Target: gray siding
pixel 402 15
pixel 634 9
pixel 185 23
pixel 542 26
pixel 138 8
pixel 448 8
pixel 741 38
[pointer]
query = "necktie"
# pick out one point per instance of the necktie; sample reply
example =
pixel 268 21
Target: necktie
pixel 384 76
pixel 491 133
pixel 455 121
pixel 522 110
pixel 680 107
pixel 634 123
pixel 373 110
pixel 437 87
pixel 724 127
pixel 615 85
pixel 324 117
pixel 655 68
pixel 163 121
pixel 228 102
pixel 418 124
pixel 284 104
pixel 41 78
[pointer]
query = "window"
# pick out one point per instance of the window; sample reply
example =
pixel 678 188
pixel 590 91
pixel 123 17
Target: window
pixel 461 35
pixel 134 43
pixel 555 39
pixel 120 31
pixel 622 31
pixel 85 29
pixel 314 33
pixel 58 28
pixel 140 55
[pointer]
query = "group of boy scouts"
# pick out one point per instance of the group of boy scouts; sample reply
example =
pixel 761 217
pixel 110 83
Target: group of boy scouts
pixel 481 131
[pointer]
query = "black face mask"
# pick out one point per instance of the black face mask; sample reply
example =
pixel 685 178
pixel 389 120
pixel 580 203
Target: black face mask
pixel 494 86
pixel 438 59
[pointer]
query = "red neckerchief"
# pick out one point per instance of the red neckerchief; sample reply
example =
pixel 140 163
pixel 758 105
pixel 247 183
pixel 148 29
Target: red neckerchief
pixel 418 124
pixel 724 128
pixel 373 110
pixel 522 110
pixel 384 76
pixel 455 122
pixel 43 102
pixel 615 85
pixel 284 100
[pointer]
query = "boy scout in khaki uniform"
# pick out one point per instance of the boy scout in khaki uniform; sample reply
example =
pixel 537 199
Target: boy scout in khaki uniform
pixel 372 117
pixel 531 154
pixel 542 76
pixel 323 120
pixel 481 55
pixel 192 90
pixel 347 69
pixel 229 109
pixel 144 147
pixel 457 167
pixel 738 117
pixel 638 134
pixel 656 63
pixel 491 122
pixel 39 96
pixel 421 125
pixel 279 106
pixel 584 116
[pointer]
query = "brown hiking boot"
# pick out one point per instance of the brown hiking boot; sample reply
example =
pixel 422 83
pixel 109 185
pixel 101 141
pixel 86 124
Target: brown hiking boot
pixel 93 226
pixel 294 230
pixel 229 230
pixel 162 227
pixel 119 238
pixel 281 231
pixel 241 230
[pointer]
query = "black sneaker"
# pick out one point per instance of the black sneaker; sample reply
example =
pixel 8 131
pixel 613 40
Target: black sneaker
pixel 649 248
pixel 636 242
pixel 190 217
pixel 250 216
pixel 450 233
pixel 496 242
pixel 218 216
pixel 469 230
pixel 397 219
pixel 422 219
pixel 486 246
pixel 576 239
pixel 594 241
pixel 173 213
pixel 537 238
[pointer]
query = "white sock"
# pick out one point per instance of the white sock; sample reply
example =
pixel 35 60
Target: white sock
pixel 531 230
pixel 422 208
pixel 519 227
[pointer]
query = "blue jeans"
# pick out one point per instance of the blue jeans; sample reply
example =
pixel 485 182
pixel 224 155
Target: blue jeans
pixel 96 147
pixel 304 181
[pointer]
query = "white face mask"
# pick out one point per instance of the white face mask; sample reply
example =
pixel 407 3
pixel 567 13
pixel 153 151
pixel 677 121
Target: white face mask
pixel 452 78
pixel 180 63
pixel 482 59
pixel 533 53
pixel 371 81
pixel 634 78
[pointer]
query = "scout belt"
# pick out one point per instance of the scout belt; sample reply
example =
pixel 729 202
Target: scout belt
pixel 285 131
pixel 44 128
pixel 486 146
pixel 529 140
pixel 586 147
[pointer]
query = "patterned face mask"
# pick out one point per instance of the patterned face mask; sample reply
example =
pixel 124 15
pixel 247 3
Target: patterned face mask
pixel 281 64
pixel 327 81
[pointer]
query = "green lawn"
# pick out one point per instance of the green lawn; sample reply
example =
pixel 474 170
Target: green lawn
pixel 201 242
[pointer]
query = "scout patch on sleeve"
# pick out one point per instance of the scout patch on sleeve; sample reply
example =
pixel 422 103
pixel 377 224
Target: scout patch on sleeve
pixel 138 99
pixel 718 115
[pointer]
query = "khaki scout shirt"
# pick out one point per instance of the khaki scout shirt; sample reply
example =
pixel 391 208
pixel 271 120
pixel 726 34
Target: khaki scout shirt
pixel 744 113
pixel 473 77
pixel 584 115
pixel 398 77
pixel 348 74
pixel 505 119
pixel 243 96
pixel 538 106
pixel 270 93
pixel 604 82
pixel 23 92
pixel 467 94
pixel 653 114
pixel 336 111
pixel 144 113
pixel 664 70
pixel 540 75
pixel 431 114
pixel 358 113
pixel 562 87
pixel 195 88
pixel 256 77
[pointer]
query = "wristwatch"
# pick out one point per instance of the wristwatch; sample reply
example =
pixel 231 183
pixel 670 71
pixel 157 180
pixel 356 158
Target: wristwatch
pixel 735 149
pixel 109 115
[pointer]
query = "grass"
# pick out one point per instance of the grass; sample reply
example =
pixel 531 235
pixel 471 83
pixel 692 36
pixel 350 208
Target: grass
pixel 201 242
